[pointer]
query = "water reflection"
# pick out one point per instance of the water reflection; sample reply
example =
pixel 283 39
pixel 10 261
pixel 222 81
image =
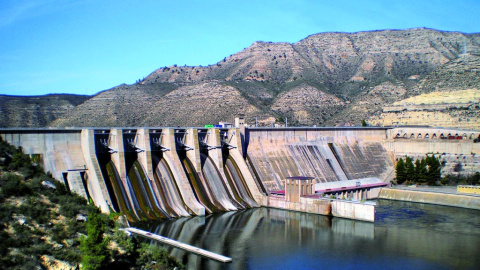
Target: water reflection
pixel 405 236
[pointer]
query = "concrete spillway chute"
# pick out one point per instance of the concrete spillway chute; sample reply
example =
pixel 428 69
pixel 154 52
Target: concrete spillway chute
pixel 170 139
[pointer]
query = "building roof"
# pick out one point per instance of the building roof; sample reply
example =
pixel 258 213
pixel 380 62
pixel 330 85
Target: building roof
pixel 349 184
pixel 300 177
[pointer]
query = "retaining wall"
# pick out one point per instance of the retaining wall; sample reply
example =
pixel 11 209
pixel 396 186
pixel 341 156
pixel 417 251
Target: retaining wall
pixel 455 200
pixel 336 208
pixel 353 210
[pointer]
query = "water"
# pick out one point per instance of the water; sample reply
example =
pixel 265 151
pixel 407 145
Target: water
pixel 404 236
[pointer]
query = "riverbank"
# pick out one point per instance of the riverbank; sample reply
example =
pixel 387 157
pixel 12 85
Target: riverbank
pixel 447 196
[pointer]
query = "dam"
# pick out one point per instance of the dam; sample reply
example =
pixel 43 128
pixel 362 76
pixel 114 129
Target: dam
pixel 154 173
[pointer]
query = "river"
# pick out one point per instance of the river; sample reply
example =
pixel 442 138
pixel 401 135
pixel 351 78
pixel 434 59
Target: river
pixel 404 236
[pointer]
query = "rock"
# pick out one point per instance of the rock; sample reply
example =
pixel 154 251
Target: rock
pixel 81 217
pixel 48 184
pixel 51 263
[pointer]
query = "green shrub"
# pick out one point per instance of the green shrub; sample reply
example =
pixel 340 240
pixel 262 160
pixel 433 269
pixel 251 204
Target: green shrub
pixel 13 185
pixel 153 255
pixel 36 210
pixel 94 246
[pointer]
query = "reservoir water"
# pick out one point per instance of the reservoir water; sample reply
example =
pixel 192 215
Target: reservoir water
pixel 404 236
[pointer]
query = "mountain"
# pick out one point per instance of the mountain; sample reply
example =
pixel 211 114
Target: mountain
pixel 324 79
pixel 36 111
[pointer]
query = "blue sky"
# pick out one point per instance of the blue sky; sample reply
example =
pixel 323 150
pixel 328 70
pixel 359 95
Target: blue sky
pixel 86 46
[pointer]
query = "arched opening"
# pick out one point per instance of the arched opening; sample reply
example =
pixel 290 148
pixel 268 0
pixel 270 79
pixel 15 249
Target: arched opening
pixel 419 136
pixel 405 135
pixel 427 136
pixel 434 136
pixel 412 136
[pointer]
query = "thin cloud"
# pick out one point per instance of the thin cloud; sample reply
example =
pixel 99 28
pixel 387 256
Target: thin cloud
pixel 12 11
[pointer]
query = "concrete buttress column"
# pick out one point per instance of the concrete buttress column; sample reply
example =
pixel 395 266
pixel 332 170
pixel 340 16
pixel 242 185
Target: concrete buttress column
pixel 96 185
pixel 213 139
pixel 173 161
pixel 144 157
pixel 191 139
pixel 236 141
pixel 118 158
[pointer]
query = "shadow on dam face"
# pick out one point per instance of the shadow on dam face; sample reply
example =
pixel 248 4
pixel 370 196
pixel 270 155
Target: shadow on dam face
pixel 155 191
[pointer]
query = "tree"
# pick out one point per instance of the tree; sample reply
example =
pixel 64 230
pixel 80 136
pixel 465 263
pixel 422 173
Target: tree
pixel 433 171
pixel 364 123
pixel 94 250
pixel 400 171
pixel 475 179
pixel 420 171
pixel 409 170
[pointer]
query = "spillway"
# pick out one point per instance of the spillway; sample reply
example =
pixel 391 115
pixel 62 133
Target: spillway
pixel 202 192
pixel 215 183
pixel 327 154
pixel 234 176
pixel 168 190
pixel 312 161
pixel 119 196
pixel 143 192
pixel 361 160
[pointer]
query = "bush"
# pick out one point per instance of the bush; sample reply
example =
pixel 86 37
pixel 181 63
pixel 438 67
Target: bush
pixel 13 185
pixel 94 246
pixel 36 210
pixel 153 255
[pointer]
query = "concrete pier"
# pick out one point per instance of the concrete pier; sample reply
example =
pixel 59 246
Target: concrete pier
pixel 183 246
pixel 356 210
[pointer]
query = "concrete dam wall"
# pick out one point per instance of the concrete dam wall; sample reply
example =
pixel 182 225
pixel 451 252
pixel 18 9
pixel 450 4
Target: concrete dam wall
pixel 147 173
pixel 154 173
pixel 328 154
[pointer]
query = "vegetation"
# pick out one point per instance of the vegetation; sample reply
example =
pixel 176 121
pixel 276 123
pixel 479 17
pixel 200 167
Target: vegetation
pixel 94 246
pixel 428 171
pixel 424 171
pixel 38 225
pixel 458 179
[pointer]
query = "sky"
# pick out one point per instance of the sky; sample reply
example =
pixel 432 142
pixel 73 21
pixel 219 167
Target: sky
pixel 86 46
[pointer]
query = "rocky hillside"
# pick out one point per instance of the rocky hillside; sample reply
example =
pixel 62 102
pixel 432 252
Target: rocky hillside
pixel 45 226
pixel 324 79
pixel 36 111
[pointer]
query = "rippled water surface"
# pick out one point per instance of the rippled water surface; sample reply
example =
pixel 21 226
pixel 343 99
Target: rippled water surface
pixel 404 236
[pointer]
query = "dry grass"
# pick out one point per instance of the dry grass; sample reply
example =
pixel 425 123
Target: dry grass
pixel 462 96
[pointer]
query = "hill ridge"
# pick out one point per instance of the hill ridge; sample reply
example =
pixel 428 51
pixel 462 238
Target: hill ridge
pixel 364 70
